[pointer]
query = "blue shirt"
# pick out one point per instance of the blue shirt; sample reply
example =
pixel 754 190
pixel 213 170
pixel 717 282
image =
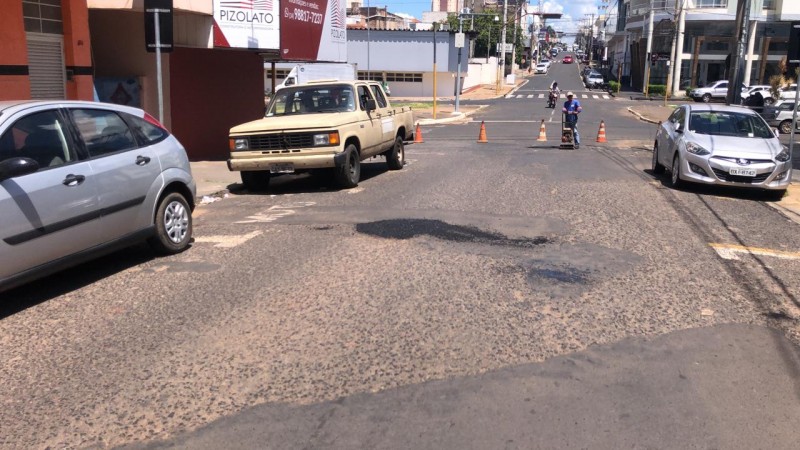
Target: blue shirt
pixel 572 106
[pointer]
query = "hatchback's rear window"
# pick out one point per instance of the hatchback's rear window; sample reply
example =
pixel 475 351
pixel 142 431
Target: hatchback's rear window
pixel 146 130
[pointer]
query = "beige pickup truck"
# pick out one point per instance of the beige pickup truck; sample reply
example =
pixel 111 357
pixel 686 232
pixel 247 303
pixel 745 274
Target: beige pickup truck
pixel 331 125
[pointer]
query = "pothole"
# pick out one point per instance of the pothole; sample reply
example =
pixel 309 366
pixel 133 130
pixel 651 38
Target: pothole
pixel 409 228
pixel 568 275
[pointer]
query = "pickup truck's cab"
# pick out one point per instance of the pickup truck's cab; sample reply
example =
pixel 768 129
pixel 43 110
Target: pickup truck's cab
pixel 321 125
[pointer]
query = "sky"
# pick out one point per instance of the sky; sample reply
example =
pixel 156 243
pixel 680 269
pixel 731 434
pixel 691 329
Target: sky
pixel 573 10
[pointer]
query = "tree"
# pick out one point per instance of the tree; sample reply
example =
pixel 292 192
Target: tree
pixel 487 30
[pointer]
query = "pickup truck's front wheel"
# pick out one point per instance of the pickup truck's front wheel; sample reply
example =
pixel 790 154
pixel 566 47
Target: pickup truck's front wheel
pixel 348 172
pixel 396 156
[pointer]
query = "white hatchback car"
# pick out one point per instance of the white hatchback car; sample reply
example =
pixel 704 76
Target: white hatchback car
pixel 542 68
pixel 78 179
pixel 721 145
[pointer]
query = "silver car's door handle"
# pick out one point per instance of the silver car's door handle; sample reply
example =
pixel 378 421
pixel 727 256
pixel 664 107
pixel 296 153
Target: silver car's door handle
pixel 73 180
pixel 142 160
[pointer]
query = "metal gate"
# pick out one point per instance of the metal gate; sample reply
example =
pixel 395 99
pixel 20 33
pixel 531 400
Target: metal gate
pixel 46 65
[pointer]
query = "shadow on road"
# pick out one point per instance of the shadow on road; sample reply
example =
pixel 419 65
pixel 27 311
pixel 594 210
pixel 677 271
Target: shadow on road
pixel 309 182
pixel 63 282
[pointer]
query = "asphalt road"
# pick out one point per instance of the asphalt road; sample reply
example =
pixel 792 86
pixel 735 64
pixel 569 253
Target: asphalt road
pixel 500 295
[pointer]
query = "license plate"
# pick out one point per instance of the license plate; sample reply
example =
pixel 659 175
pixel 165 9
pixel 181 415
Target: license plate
pixel 283 168
pixel 742 172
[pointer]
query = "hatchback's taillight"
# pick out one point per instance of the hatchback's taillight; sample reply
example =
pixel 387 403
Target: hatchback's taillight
pixel 153 121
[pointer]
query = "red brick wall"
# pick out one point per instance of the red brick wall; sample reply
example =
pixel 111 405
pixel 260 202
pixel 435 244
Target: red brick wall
pixel 13 53
pixel 210 92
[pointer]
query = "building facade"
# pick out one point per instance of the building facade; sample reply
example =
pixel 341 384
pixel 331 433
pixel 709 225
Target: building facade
pixel 45 50
pixel 704 34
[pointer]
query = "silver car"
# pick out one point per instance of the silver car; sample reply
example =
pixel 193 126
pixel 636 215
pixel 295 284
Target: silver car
pixel 78 179
pixel 721 145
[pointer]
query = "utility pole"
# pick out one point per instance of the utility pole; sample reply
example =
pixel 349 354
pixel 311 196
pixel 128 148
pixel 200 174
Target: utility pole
pixel 434 70
pixel 736 76
pixel 678 62
pixel 460 45
pixel 649 51
pixel 503 46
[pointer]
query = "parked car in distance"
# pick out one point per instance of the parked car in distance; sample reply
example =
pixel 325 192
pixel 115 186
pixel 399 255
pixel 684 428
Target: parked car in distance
pixel 546 61
pixel 750 90
pixel 79 179
pixel 785 93
pixel 721 145
pixel 567 59
pixel 594 79
pixel 716 89
pixel 779 115
pixel 541 68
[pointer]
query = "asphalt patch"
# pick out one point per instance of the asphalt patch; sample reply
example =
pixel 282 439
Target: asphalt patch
pixel 403 229
pixel 569 275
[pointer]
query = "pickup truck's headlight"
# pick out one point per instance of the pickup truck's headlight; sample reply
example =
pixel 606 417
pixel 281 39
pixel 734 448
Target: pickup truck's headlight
pixel 784 155
pixel 695 149
pixel 325 139
pixel 239 144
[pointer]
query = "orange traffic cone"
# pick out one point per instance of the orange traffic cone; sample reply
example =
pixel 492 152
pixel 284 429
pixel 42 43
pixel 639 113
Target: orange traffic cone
pixel 542 133
pixel 482 136
pixel 601 133
pixel 418 135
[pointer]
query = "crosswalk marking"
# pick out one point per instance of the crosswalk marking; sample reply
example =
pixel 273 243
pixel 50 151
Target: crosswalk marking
pixel 562 96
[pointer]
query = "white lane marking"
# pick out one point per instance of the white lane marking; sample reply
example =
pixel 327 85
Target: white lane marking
pixel 605 97
pixel 276 212
pixel 355 190
pixel 584 96
pixel 520 96
pixel 563 95
pixel 228 241
pixel 595 96
pixel 530 96
pixel 510 96
pixel 541 95
pixel 732 252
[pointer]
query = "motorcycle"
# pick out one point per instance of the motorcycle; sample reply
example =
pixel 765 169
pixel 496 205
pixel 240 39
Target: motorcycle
pixel 551 99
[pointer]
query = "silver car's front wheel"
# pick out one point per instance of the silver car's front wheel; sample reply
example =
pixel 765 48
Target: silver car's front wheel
pixel 675 176
pixel 657 167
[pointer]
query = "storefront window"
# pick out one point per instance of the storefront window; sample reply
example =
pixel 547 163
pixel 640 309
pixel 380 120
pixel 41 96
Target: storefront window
pixel 711 3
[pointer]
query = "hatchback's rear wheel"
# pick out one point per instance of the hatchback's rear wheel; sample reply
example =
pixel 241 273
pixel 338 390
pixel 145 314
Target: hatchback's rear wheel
pixel 173 225
pixel 706 98
pixel 785 127
pixel 657 167
pixel 769 101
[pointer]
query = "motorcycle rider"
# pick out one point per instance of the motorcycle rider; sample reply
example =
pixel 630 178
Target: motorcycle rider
pixel 555 93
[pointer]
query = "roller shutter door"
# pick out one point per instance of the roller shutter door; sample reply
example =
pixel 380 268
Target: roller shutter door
pixel 46 65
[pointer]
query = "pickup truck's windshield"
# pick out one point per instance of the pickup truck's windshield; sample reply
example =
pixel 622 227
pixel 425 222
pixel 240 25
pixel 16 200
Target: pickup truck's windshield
pixel 312 100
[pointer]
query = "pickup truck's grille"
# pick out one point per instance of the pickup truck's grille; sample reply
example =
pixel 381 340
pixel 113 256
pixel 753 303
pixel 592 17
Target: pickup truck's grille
pixel 281 141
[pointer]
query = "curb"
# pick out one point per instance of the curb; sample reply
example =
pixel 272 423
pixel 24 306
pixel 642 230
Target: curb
pixel 641 117
pixel 455 118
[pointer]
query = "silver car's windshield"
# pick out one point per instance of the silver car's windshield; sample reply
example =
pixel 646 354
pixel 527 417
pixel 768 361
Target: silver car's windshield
pixel 727 123
pixel 312 100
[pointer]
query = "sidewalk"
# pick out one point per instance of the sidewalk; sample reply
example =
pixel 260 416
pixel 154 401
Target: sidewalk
pixel 789 204
pixel 445 111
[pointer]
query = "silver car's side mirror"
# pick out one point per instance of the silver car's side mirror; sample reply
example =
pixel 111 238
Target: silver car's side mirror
pixel 678 127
